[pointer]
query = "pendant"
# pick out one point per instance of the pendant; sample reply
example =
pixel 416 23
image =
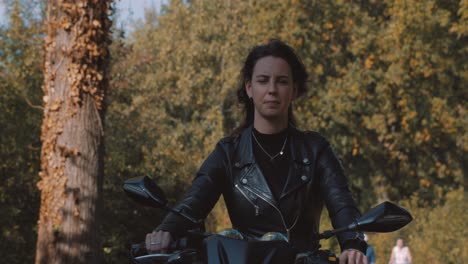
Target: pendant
pixel 281 152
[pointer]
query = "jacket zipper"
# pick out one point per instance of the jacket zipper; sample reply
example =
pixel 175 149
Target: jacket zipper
pixel 282 217
pixel 257 209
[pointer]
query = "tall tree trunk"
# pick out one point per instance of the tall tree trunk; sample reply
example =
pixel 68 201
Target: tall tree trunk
pixel 75 80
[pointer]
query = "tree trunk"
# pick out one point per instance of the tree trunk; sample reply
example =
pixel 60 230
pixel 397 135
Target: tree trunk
pixel 75 80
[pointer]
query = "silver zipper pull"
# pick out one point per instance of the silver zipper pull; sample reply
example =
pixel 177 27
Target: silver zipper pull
pixel 257 210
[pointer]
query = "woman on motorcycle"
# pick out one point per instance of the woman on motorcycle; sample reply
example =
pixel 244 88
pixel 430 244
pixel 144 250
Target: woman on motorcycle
pixel 273 177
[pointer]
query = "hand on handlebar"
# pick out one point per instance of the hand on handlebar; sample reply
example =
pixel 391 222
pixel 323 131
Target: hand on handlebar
pixel 352 256
pixel 158 241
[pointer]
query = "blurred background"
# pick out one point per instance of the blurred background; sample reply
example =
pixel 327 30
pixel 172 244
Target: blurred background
pixel 388 88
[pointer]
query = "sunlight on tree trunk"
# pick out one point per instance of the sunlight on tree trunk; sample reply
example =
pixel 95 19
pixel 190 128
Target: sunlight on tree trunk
pixel 75 80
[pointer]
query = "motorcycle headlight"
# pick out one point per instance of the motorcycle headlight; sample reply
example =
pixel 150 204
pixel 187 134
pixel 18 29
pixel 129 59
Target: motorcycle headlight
pixel 274 236
pixel 231 233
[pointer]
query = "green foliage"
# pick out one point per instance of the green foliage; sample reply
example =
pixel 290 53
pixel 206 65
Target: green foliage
pixel 20 119
pixel 436 235
pixel 390 96
pixel 440 235
pixel 387 89
pixel 385 92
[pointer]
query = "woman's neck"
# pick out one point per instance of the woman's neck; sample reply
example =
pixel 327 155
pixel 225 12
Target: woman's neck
pixel 270 127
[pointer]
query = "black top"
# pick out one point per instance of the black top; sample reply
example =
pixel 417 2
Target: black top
pixel 274 170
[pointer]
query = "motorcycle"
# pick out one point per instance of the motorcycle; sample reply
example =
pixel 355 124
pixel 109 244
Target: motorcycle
pixel 230 246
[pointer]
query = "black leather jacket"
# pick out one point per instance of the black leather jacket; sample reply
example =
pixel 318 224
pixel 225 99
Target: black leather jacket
pixel 315 178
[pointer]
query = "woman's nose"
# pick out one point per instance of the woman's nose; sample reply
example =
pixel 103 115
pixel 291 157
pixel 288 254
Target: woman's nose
pixel 272 87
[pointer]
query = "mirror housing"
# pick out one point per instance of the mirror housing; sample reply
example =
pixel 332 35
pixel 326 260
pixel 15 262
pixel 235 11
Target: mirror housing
pixel 385 217
pixel 144 191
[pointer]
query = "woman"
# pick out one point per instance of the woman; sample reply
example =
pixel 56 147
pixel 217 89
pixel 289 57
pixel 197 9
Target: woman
pixel 273 177
pixel 400 253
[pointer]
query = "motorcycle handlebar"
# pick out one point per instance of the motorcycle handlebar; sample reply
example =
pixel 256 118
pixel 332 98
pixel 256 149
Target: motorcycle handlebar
pixel 139 254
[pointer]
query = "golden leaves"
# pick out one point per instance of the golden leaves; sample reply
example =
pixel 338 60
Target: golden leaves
pixel 355 150
pixel 67 152
pixel 425 183
pixel 328 25
pixel 55 105
pixel 66 23
pixel 326 36
pixel 374 77
pixel 96 23
pixel 319 69
pixel 88 47
pixel 369 61
pixel 441 113
pixel 422 136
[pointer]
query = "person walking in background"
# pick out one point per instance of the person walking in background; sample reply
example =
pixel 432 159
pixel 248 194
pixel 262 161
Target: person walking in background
pixel 370 253
pixel 400 253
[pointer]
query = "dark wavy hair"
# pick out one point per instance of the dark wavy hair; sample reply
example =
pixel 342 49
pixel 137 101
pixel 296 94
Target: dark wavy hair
pixel 275 48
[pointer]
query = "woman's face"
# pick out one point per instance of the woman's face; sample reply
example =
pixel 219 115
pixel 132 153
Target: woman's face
pixel 399 243
pixel 271 88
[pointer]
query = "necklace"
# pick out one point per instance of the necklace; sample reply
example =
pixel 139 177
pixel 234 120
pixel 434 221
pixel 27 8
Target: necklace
pixel 266 152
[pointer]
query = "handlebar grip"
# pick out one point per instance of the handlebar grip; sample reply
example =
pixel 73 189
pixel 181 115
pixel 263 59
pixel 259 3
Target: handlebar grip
pixel 178 244
pixel 138 250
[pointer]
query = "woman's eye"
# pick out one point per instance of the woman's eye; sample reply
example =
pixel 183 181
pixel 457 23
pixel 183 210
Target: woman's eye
pixel 263 81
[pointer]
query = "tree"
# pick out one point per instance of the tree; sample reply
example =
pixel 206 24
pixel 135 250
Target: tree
pixel 437 234
pixel 75 80
pixel 389 95
pixel 173 92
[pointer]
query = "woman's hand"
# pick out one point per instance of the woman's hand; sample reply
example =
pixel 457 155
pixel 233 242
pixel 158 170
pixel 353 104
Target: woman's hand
pixel 158 241
pixel 352 256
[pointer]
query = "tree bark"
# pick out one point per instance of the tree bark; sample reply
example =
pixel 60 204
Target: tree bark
pixel 75 81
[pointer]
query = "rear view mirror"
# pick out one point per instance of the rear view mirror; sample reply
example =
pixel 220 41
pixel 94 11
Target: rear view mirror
pixel 144 191
pixel 385 217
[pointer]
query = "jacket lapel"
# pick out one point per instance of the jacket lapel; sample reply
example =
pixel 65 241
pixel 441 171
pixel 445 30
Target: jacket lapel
pixel 254 181
pixel 300 171
pixel 251 177
pixel 244 155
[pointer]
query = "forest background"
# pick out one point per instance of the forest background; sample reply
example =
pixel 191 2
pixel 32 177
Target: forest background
pixel 388 88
